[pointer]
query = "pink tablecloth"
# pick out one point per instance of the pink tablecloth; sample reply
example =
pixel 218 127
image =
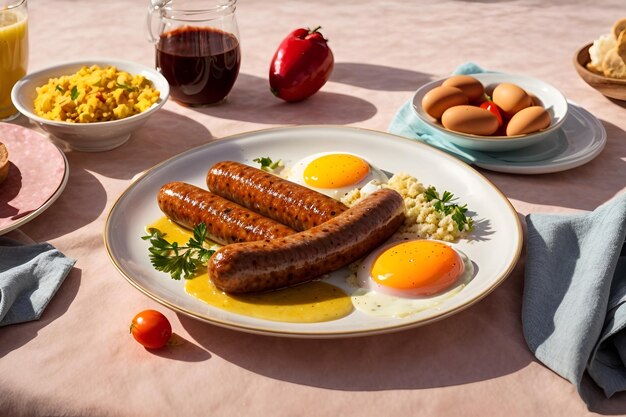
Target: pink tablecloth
pixel 79 358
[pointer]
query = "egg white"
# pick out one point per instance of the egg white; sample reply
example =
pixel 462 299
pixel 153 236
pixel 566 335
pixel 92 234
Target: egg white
pixel 369 301
pixel 296 174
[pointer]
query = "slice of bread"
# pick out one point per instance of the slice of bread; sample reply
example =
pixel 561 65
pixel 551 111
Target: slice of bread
pixel 619 27
pixel 621 45
pixel 4 162
pixel 613 66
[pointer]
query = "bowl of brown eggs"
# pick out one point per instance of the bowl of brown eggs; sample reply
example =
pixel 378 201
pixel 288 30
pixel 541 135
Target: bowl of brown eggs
pixel 490 112
pixel 602 64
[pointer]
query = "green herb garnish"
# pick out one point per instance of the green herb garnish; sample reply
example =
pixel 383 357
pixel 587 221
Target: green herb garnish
pixel 127 87
pixel 74 93
pixel 178 261
pixel 59 88
pixel 267 164
pixel 445 205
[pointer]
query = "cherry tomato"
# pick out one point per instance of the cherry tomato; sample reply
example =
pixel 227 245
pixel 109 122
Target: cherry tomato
pixel 151 329
pixel 301 65
pixel 493 108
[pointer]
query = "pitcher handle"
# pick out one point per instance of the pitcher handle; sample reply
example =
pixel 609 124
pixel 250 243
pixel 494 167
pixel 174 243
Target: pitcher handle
pixel 155 6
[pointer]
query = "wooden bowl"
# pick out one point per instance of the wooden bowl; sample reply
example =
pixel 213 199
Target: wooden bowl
pixel 610 87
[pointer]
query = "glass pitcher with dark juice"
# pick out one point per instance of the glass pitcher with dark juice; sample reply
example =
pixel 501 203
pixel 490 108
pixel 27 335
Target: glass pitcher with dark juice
pixel 197 48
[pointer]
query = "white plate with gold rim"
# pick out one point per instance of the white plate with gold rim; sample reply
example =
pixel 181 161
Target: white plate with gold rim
pixel 494 249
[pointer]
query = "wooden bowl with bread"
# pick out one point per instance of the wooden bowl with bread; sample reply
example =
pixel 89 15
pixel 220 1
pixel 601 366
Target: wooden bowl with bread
pixel 602 64
pixel 611 87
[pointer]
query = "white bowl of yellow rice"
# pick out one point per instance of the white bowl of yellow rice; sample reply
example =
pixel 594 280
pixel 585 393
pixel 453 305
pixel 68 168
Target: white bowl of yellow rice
pixel 92 105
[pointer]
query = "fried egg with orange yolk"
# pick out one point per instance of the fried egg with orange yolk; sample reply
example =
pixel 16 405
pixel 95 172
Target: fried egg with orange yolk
pixel 405 277
pixel 335 174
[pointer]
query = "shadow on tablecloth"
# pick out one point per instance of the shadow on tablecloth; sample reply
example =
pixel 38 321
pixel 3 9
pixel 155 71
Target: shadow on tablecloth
pixel 163 136
pixel 581 188
pixel 378 77
pixel 252 101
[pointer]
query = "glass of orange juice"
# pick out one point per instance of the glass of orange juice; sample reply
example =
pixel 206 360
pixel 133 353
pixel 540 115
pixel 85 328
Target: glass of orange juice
pixel 13 52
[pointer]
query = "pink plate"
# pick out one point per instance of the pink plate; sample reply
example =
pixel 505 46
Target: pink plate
pixel 38 173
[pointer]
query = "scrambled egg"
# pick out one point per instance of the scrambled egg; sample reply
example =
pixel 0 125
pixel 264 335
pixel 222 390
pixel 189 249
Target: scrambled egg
pixel 94 94
pixel 422 218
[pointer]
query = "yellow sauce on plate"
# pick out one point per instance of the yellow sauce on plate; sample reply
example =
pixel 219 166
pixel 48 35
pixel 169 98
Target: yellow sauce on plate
pixel 311 302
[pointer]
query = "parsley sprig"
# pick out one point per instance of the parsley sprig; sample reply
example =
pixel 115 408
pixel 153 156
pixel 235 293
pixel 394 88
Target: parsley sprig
pixel 445 204
pixel 267 164
pixel 178 261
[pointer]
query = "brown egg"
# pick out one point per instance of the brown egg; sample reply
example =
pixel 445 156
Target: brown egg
pixel 528 120
pixel 534 100
pixel 511 98
pixel 472 88
pixel 470 119
pixel 439 99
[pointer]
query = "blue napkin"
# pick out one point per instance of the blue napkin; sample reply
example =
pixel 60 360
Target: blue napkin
pixel 29 277
pixel 406 123
pixel 574 305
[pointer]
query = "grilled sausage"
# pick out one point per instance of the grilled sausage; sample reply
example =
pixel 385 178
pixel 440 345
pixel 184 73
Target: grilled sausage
pixel 226 222
pixel 266 265
pixel 294 205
